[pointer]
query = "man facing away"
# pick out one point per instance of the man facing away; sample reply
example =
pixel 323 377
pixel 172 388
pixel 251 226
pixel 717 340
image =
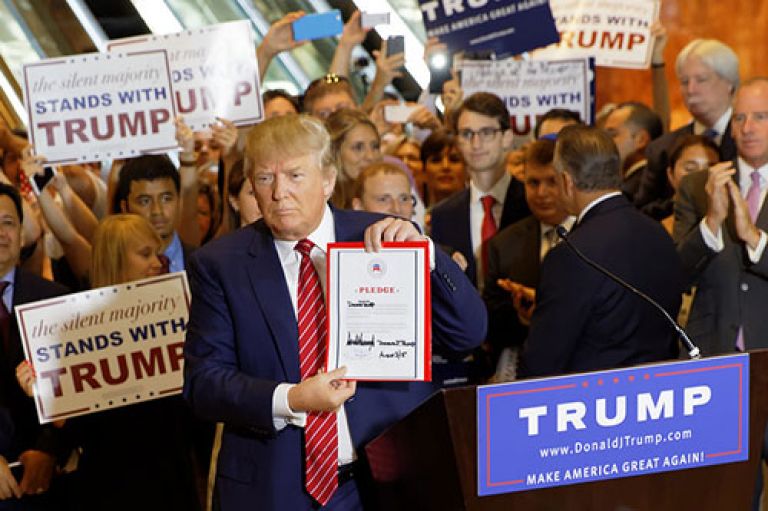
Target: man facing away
pixel 583 320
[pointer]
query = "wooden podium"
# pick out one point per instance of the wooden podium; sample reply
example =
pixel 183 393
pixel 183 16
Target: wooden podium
pixel 428 461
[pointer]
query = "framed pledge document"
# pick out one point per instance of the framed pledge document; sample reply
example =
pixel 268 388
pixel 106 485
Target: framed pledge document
pixel 378 304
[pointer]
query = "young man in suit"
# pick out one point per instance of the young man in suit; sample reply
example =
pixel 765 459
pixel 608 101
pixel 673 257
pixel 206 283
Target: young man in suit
pixel 150 186
pixel 468 219
pixel 249 317
pixel 34 445
pixel 516 252
pixel 582 319
pixel 708 71
pixel 720 230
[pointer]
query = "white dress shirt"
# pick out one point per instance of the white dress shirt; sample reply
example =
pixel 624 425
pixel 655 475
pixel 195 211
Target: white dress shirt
pixel 477 213
pixel 290 260
pixel 715 241
pixel 720 126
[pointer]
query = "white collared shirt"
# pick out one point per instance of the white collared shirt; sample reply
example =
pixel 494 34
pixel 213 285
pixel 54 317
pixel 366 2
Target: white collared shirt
pixel 715 241
pixel 544 243
pixel 290 260
pixel 477 213
pixel 595 202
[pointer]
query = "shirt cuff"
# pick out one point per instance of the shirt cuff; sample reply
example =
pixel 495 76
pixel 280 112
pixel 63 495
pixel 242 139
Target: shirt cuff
pixel 282 415
pixel 715 242
pixel 431 254
pixel 757 253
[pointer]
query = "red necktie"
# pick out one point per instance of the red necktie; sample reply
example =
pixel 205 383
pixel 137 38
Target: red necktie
pixel 488 228
pixel 320 433
pixel 165 263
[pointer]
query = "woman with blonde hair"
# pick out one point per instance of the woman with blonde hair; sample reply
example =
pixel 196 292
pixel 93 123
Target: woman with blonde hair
pixel 355 144
pixel 137 456
pixel 125 248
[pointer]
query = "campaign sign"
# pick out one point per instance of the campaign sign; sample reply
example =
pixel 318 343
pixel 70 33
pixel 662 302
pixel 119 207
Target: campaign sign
pixel 612 424
pixel 95 106
pixel 507 27
pixel 616 32
pixel 531 88
pixel 108 347
pixel 214 72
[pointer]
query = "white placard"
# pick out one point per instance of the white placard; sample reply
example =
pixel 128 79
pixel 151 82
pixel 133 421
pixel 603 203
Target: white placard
pixel 108 347
pixel 95 106
pixel 379 311
pixel 616 32
pixel 214 72
pixel 531 88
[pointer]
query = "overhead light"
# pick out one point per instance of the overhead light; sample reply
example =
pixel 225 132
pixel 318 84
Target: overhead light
pixel 414 49
pixel 16 104
pixel 89 24
pixel 158 16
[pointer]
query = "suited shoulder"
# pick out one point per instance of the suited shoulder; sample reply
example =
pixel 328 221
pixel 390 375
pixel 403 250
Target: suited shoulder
pixel 31 287
pixel 451 204
pixel 514 231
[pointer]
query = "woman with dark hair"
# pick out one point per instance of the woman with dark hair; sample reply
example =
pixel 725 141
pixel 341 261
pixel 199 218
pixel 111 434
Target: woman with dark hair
pixel 241 207
pixel 443 167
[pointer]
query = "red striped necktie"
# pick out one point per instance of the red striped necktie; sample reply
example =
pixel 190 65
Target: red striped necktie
pixel 320 433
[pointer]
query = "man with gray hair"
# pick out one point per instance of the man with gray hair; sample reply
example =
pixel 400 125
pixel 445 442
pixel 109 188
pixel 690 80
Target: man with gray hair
pixel 708 71
pixel 583 320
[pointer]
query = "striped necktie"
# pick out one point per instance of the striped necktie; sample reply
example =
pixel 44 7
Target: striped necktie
pixel 320 433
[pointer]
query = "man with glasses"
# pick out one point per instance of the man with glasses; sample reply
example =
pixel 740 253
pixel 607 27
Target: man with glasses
pixel 468 219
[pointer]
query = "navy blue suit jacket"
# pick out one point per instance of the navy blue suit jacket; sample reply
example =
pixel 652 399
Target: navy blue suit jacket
pixel 242 342
pixel 20 415
pixel 450 221
pixel 584 321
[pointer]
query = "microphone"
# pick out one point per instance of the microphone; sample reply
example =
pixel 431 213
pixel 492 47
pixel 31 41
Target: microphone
pixel 693 350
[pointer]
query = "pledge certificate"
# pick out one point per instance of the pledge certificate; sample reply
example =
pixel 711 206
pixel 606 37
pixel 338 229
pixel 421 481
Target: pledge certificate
pixel 379 323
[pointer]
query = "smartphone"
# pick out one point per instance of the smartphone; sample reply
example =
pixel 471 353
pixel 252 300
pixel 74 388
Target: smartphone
pixel 370 19
pixel 318 26
pixel 395 45
pixel 39 181
pixel 398 113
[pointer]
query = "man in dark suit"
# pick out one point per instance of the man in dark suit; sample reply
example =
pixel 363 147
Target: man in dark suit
pixel 633 126
pixel 720 229
pixel 494 199
pixel 708 71
pixel 583 320
pixel 150 186
pixel 34 445
pixel 516 252
pixel 246 325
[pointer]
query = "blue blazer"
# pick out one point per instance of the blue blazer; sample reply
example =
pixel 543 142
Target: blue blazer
pixel 242 341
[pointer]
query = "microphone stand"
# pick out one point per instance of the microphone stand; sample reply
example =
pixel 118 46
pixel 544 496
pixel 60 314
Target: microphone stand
pixel 693 350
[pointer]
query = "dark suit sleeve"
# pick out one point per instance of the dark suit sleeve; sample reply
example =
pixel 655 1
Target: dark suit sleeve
pixel 459 318
pixel 504 328
pixel 654 193
pixel 693 251
pixel 213 384
pixel 559 319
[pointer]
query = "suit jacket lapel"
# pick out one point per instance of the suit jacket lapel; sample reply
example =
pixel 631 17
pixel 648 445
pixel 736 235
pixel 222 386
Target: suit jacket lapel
pixel 268 282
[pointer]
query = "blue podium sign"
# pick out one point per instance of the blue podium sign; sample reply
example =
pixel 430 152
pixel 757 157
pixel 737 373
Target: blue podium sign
pixel 507 27
pixel 605 425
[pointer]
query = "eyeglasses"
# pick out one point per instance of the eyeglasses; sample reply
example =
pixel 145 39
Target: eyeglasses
pixel 485 134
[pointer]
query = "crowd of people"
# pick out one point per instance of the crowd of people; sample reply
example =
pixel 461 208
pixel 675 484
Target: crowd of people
pixel 248 214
